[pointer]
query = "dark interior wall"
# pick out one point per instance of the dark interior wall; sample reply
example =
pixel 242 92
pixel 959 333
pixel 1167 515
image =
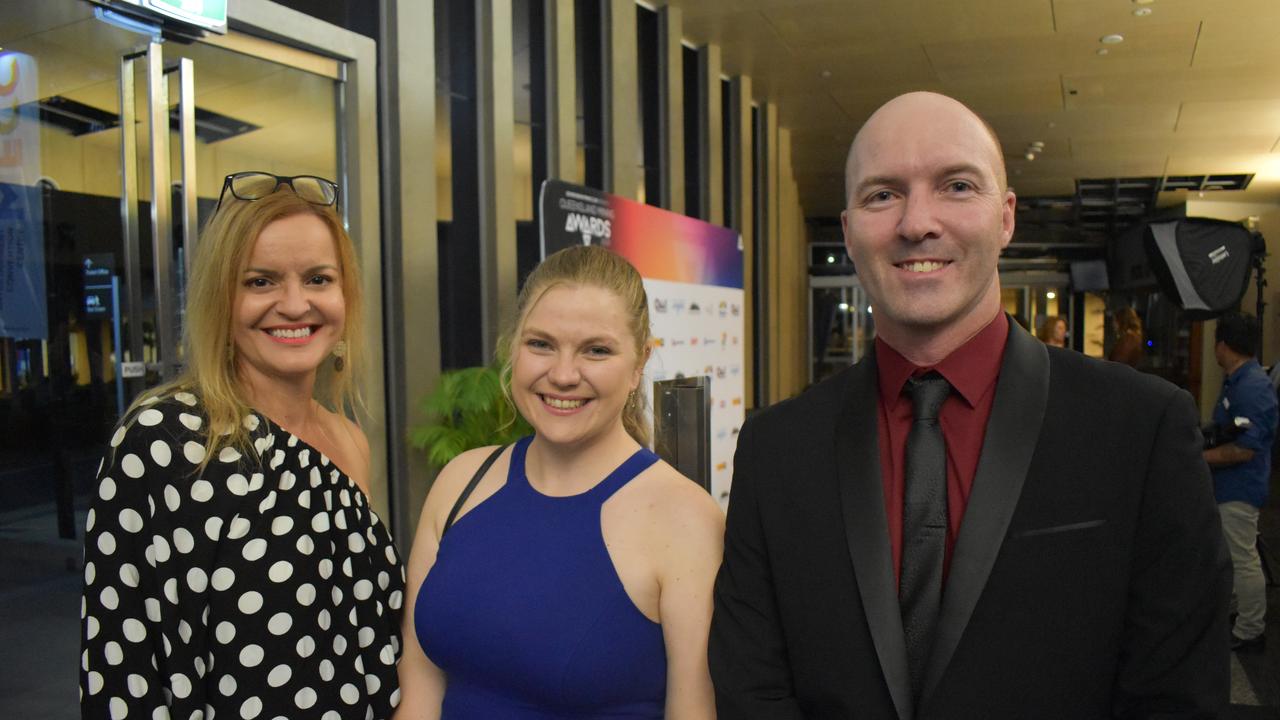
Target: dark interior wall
pixel 356 15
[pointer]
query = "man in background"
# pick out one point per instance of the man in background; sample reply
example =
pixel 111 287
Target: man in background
pixel 1245 418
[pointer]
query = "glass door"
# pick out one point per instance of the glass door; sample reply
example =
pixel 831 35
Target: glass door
pixel 96 223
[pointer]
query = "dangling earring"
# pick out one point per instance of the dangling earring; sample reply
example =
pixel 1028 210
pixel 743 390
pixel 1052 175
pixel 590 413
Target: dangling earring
pixel 339 349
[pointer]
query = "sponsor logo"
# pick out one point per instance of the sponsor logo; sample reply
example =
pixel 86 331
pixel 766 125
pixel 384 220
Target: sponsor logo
pixel 694 308
pixel 658 342
pixel 735 339
pixel 722 404
pixel 678 306
pixel 734 310
pixel 722 434
pixel 720 372
pixel 659 305
pixel 722 466
pixel 676 343
pixel 737 401
pixel 693 341
pixel 735 430
pixel 735 369
pixel 724 308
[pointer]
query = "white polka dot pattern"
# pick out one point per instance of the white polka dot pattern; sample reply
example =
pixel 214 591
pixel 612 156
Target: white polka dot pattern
pixel 260 584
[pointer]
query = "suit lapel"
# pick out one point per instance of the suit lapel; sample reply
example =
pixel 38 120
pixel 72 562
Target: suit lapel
pixel 1022 394
pixel 857 451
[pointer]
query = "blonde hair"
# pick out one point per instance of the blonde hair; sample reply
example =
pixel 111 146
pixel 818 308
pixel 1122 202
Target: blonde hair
pixel 589 266
pixel 219 261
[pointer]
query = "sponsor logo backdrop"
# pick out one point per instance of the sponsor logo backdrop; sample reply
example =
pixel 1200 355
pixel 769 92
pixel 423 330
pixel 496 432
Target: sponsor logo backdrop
pixel 692 273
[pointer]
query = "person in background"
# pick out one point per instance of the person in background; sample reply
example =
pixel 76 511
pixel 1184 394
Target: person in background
pixel 1131 345
pixel 575 580
pixel 1053 331
pixel 965 524
pixel 233 564
pixel 1246 411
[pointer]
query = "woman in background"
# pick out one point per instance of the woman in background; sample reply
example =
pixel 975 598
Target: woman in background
pixel 1053 331
pixel 233 565
pixel 577 579
pixel 1130 346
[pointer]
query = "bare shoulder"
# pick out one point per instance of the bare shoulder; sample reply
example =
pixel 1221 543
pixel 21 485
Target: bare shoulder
pixel 451 481
pixel 679 506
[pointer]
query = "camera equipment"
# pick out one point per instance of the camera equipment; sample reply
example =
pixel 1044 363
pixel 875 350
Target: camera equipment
pixel 1215 435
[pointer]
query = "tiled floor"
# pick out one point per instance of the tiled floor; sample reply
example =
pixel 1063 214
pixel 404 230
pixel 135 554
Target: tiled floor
pixel 40 610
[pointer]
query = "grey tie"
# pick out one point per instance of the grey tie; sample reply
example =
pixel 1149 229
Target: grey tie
pixel 924 522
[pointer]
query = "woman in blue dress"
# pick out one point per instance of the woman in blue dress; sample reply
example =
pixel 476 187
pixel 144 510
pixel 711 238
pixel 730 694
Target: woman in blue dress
pixel 575 581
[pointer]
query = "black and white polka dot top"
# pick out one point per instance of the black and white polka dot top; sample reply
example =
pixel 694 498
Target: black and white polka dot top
pixel 259 587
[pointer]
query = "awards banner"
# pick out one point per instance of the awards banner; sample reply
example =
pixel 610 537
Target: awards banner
pixel 692 274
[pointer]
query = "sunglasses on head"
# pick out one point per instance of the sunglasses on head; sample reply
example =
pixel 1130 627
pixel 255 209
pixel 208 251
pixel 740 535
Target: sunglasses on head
pixel 255 185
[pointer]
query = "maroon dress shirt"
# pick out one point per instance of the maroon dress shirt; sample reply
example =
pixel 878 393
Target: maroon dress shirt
pixel 972 370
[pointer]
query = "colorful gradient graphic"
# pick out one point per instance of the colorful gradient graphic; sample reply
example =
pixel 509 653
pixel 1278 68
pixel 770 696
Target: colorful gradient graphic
pixel 666 246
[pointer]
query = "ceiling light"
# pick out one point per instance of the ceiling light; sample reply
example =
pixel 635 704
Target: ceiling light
pixel 1143 2
pixel 1030 156
pixel 1142 11
pixel 844 307
pixel 1112 39
pixel 825 74
pixel 1051 295
pixel 1103 51
pixel 1037 144
pixel 831 259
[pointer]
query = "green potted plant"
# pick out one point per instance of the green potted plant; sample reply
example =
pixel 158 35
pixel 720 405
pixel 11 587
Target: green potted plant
pixel 468 410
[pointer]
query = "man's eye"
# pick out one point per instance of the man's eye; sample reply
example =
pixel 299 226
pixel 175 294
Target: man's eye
pixel 881 196
pixel 960 186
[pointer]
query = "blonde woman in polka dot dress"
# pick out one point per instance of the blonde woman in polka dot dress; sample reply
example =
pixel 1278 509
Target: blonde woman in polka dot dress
pixel 233 565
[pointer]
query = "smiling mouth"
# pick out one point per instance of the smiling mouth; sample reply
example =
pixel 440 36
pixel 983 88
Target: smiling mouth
pixel 293 336
pixel 922 266
pixel 563 404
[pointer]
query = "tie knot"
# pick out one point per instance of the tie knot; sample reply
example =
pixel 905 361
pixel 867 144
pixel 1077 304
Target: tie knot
pixel 927 395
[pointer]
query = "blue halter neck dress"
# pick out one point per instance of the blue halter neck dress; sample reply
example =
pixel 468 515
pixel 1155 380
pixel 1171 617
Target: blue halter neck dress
pixel 525 613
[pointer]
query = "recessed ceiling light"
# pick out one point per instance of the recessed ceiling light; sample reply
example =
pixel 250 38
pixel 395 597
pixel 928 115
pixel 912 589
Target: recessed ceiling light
pixel 1142 11
pixel 1038 144
pixel 1030 156
pixel 1143 2
pixel 1112 39
pixel 825 74
pixel 1103 51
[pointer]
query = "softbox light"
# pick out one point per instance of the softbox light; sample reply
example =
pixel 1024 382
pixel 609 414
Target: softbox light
pixel 1202 264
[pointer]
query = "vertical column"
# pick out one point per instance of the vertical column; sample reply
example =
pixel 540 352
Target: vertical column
pixel 738 165
pixel 671 106
pixel 562 121
pixel 621 100
pixel 495 102
pixel 773 352
pixel 411 259
pixel 711 178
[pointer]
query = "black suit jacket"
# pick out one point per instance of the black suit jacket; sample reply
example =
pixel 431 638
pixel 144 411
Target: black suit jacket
pixel 1089 578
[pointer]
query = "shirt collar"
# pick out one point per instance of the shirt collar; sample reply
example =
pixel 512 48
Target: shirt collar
pixel 971 368
pixel 1240 371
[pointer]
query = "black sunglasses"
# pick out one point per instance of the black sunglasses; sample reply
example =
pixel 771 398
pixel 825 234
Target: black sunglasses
pixel 255 185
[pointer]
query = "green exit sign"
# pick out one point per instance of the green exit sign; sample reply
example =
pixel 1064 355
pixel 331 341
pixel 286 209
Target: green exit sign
pixel 207 14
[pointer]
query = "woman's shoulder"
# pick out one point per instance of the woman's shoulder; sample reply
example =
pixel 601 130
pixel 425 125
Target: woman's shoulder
pixel 676 502
pixel 175 417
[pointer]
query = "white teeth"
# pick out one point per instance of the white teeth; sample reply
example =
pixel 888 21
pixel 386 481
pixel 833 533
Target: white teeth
pixel 559 404
pixel 922 266
pixel 294 333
